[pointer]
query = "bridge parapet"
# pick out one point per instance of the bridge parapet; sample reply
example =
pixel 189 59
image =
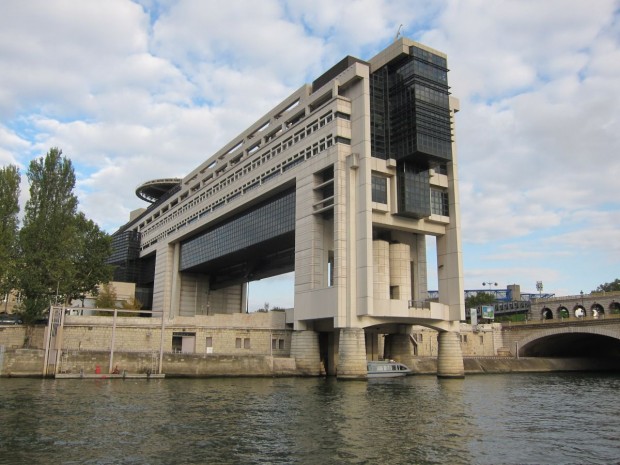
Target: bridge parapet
pixel 519 337
pixel 586 305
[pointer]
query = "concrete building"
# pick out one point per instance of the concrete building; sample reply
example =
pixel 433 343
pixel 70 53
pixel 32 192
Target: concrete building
pixel 342 182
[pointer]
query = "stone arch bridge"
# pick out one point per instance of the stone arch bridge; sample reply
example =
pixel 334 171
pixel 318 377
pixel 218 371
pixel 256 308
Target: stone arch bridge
pixel 587 337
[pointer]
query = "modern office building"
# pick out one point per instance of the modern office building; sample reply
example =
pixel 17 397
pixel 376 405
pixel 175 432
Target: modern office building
pixel 342 183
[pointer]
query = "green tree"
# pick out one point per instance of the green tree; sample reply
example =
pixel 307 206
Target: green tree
pixel 106 297
pixel 48 236
pixel 609 287
pixel 92 248
pixel 482 298
pixel 9 210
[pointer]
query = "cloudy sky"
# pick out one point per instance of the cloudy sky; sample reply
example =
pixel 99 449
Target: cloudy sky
pixel 143 89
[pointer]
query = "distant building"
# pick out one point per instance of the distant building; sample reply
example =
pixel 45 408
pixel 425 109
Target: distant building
pixel 341 183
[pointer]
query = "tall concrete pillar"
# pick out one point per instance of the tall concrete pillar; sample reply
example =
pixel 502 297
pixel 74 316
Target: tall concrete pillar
pixel 305 350
pixel 400 348
pixel 400 271
pixel 352 354
pixel 372 346
pixel 381 269
pixel 450 356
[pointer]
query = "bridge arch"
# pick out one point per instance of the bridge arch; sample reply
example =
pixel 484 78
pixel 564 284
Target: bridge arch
pixel 546 314
pixel 597 310
pixel 563 312
pixel 579 311
pixel 587 342
pixel 614 307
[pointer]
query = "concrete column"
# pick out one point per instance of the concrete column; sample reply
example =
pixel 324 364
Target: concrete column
pixel 305 351
pixel 400 271
pixel 381 269
pixel 400 348
pixel 352 354
pixel 450 356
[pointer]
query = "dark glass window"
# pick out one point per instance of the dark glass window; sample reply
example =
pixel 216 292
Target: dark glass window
pixel 439 202
pixel 379 189
pixel 413 191
pixel 270 220
pixel 409 108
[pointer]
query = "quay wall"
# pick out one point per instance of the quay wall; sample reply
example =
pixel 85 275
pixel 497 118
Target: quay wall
pixel 29 363
pixel 496 365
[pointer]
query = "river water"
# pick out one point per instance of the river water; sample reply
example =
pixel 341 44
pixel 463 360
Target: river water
pixel 484 419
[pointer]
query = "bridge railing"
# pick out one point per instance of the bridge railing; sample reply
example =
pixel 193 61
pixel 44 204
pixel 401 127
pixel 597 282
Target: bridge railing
pixel 573 319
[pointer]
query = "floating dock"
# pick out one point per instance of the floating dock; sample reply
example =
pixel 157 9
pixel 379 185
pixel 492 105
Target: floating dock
pixel 109 376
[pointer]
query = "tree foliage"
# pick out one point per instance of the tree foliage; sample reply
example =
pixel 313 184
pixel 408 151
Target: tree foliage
pixel 92 248
pixel 481 298
pixel 9 210
pixel 62 253
pixel 609 287
pixel 106 298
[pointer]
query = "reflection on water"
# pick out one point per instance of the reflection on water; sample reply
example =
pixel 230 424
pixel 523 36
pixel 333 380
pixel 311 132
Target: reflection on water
pixel 490 419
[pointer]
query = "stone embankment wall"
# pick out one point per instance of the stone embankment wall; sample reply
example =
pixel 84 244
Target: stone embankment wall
pixel 490 365
pixel 221 345
pixel 20 337
pixel 484 340
pixel 29 362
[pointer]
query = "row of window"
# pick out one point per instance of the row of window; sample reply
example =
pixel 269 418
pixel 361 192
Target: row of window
pixel 240 343
pixel 267 155
pixel 258 225
pixel 439 197
pixel 464 339
pixel 285 165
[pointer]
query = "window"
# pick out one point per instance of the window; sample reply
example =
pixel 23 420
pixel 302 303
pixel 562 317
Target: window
pixel 330 268
pixel 238 343
pixel 209 341
pixel 183 342
pixel 277 344
pixel 379 189
pixel 246 343
pixel 439 202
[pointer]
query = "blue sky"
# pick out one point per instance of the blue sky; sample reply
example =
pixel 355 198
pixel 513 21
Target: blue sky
pixel 138 90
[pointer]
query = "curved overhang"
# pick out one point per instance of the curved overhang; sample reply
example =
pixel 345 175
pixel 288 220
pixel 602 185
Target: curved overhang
pixel 152 191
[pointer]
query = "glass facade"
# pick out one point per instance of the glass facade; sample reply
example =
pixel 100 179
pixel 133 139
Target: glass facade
pixel 413 191
pixel 125 256
pixel 379 140
pixel 379 189
pixel 439 202
pixel 270 220
pixel 410 122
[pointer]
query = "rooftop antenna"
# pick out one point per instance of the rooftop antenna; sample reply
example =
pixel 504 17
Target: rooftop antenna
pixel 398 33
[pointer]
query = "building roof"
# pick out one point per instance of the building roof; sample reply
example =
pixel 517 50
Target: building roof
pixel 151 191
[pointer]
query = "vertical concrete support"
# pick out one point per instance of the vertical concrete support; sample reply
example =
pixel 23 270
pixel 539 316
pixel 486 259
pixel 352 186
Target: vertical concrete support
pixel 175 293
pixel 401 348
pixel 400 271
pixel 305 350
pixel 381 269
pixel 450 356
pixel 372 346
pixel 352 354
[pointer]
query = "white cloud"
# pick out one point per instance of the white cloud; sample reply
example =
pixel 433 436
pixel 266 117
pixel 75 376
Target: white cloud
pixel 133 91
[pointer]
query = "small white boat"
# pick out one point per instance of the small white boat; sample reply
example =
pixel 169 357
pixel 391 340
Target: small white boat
pixel 387 369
